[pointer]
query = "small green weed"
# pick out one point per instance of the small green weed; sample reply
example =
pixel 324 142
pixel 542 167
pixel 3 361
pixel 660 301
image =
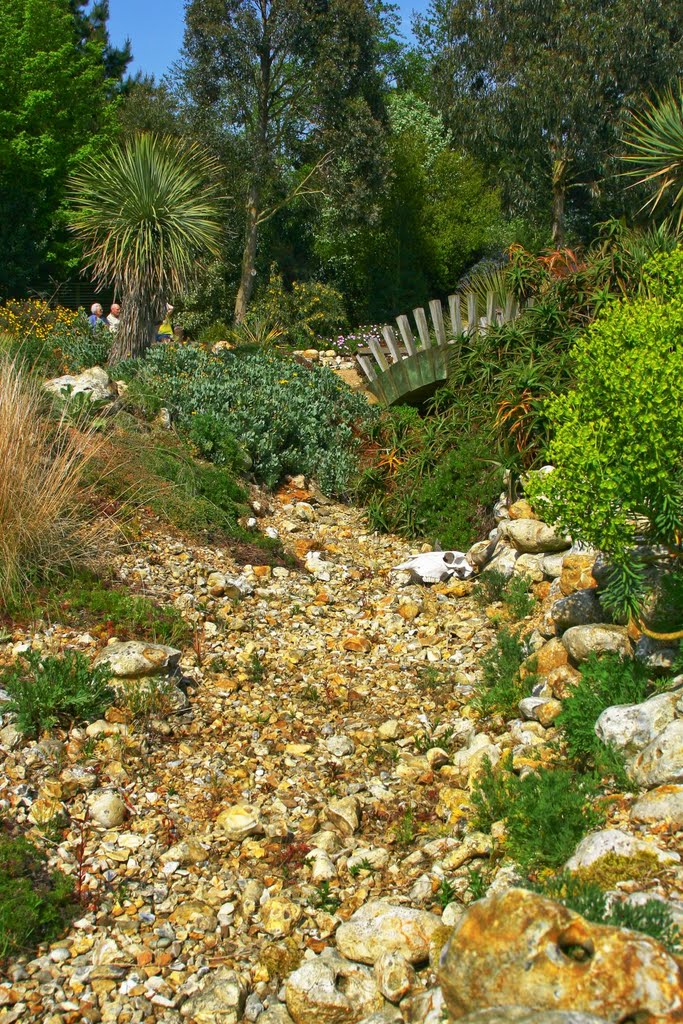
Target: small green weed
pixel 35 905
pixel 445 893
pixel 494 586
pixel 404 830
pixel 425 741
pixel 518 601
pixel 324 899
pixel 256 669
pixel 502 687
pixel 147 698
pixel 311 694
pixel 53 691
pixel 476 884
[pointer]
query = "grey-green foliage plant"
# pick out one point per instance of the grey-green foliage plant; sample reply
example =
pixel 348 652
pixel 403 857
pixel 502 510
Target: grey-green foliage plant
pixel 287 418
pixel 147 214
pixel 49 691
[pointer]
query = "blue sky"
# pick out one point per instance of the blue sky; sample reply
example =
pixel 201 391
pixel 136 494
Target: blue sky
pixel 155 28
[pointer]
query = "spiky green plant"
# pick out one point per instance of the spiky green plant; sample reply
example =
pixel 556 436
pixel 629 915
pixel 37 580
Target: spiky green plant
pixel 146 213
pixel 655 148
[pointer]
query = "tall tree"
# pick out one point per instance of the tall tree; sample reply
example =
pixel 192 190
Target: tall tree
pixel 147 212
pixel 54 114
pixel 91 22
pixel 292 90
pixel 541 86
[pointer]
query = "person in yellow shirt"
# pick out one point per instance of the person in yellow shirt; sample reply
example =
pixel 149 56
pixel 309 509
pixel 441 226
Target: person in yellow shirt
pixel 165 328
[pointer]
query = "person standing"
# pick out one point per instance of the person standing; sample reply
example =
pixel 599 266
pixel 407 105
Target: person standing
pixel 96 318
pixel 165 328
pixel 113 317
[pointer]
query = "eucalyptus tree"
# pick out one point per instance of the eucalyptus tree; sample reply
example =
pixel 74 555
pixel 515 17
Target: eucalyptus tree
pixel 540 88
pixel 290 93
pixel 146 214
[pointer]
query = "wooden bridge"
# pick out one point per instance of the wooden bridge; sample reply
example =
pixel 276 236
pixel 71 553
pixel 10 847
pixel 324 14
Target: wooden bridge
pixel 406 368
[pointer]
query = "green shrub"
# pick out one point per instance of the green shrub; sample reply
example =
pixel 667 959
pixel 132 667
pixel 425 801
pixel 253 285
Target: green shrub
pixel 549 815
pixel 288 418
pixel 35 905
pixel 50 691
pixel 618 435
pixel 652 917
pixel 513 592
pixel 309 312
pixel 502 686
pixel 218 331
pixel 88 602
pixel 493 793
pixel 207 431
pixel 52 340
pixel 604 682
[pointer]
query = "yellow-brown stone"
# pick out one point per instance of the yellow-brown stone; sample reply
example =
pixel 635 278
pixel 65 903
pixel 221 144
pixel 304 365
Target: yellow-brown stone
pixel 577 573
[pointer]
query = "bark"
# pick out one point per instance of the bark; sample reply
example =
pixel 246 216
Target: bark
pixel 248 275
pixel 560 175
pixel 140 314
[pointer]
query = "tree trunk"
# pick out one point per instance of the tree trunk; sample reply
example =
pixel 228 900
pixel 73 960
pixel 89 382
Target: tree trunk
pixel 560 176
pixel 140 314
pixel 247 279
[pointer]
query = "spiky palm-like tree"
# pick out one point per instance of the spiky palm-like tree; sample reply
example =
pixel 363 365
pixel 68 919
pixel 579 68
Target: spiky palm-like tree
pixel 146 213
pixel 655 148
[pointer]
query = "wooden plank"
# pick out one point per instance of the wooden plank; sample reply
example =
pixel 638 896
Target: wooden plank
pixel 456 315
pixel 422 327
pixel 407 334
pixel 376 350
pixel 392 344
pixel 490 308
pixel 367 367
pixel 437 319
pixel 472 325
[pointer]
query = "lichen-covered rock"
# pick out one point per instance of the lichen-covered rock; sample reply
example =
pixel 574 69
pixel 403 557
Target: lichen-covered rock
pixel 221 998
pixel 661 762
pixel 395 976
pixel 519 948
pixel 240 821
pixel 525 1015
pixel 529 536
pixel 330 990
pixel 630 727
pixel 577 572
pixel 380 927
pixel 611 840
pixel 551 655
pixel 580 641
pixel 660 805
pixel 279 916
pixel 578 609
pixel 94 382
pixel 134 658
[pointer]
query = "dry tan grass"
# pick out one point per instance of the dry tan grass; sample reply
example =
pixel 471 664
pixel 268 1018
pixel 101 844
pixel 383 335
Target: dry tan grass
pixel 46 521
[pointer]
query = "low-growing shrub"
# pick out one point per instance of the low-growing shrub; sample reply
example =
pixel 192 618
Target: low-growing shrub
pixel 604 682
pixel 652 917
pixel 502 686
pixel 549 815
pixel 36 905
pixel 493 793
pixel 546 813
pixel 512 591
pixel 52 340
pixel 49 691
pixel 307 312
pixel 90 602
pixel 287 418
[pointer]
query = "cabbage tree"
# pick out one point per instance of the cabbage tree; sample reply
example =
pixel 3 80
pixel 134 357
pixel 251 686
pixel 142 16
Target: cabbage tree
pixel 655 148
pixel 146 213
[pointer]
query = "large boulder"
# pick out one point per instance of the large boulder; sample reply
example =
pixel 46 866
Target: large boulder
pixel 630 727
pixel 221 997
pixel 94 382
pixel 134 658
pixel 611 840
pixel 580 641
pixel 658 656
pixel 330 990
pixel 525 1015
pixel 661 762
pixel 578 609
pixel 529 536
pixel 380 927
pixel 664 804
pixel 519 948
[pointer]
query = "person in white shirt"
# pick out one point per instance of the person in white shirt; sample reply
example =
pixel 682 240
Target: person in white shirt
pixel 113 317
